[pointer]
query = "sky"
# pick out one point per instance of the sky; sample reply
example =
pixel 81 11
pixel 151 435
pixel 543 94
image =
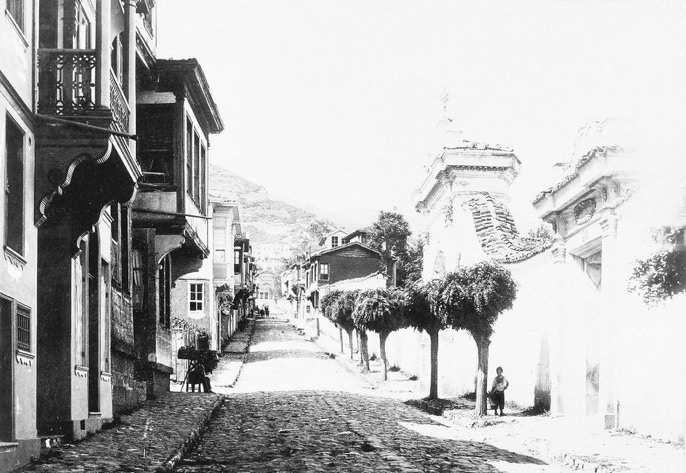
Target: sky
pixel 334 105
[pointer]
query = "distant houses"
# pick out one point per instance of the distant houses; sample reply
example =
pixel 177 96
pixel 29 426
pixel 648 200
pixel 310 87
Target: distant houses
pixel 341 260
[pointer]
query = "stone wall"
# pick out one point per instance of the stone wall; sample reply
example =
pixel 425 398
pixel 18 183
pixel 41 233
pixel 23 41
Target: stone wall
pixel 127 392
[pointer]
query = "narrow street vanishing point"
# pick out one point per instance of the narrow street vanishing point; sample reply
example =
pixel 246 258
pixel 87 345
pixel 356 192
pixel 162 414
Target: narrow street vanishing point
pixel 297 409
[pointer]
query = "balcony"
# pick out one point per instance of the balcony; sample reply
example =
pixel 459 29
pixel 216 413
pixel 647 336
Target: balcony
pixel 67 87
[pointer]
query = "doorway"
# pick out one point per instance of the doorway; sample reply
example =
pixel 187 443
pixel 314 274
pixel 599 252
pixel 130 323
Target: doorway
pixel 93 324
pixel 6 387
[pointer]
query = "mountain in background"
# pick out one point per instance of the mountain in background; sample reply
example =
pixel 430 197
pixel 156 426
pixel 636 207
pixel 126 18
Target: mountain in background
pixel 273 226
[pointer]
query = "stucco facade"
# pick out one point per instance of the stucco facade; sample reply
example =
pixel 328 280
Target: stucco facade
pixel 18 266
pixel 576 341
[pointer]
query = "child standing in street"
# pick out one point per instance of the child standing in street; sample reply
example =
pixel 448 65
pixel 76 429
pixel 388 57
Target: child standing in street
pixel 500 384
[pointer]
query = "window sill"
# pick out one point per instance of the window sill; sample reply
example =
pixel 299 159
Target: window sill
pixel 81 371
pixel 25 357
pixel 16 27
pixel 14 258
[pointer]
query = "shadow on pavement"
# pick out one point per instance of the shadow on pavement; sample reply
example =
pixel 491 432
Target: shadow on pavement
pixel 352 432
pixel 266 355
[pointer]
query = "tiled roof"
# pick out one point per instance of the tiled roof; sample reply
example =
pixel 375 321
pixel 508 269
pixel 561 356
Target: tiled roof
pixel 572 170
pixel 324 251
pixel 497 233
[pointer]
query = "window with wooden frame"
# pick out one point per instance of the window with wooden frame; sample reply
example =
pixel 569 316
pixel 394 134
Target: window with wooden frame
pixel 236 261
pixel 189 157
pixel 11 310
pixel 334 242
pixel 80 305
pixel 15 8
pixel 196 297
pixel 137 264
pixel 14 186
pixel 219 256
pixel 164 290
pixel 117 58
pixel 125 248
pixel 203 180
pixel 196 170
pixel 82 36
pixel 324 271
pixel 115 255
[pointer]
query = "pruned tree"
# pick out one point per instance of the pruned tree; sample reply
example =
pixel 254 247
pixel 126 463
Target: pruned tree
pixel 327 304
pixel 472 298
pixel 422 312
pixel 343 313
pixel 381 311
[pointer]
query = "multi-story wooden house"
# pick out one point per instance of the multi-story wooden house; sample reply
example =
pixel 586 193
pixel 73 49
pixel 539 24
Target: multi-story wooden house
pixel 86 172
pixel 176 114
pixel 244 270
pixel 331 265
pixel 95 339
pixel 226 224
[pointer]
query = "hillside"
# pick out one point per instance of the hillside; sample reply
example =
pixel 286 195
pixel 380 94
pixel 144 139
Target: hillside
pixel 267 221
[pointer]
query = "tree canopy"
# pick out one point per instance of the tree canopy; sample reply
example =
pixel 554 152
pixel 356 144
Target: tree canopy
pixel 389 235
pixel 327 304
pixel 379 310
pixel 473 297
pixel 422 306
pixel 343 310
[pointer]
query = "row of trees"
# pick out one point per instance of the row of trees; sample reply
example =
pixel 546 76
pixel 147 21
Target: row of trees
pixel 470 298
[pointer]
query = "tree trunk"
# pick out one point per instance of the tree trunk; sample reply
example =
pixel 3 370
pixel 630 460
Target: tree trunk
pixel 364 350
pixel 433 386
pixel 350 339
pixel 340 335
pixel 482 344
pixel 382 348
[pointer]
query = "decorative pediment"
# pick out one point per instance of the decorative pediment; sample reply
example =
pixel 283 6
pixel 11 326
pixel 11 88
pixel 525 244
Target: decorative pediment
pixel 584 211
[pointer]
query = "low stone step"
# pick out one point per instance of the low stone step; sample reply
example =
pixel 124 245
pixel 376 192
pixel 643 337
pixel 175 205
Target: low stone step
pixel 8 447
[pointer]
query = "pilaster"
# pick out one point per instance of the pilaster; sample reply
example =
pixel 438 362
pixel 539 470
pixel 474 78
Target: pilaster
pixel 104 59
pixel 609 401
pixel 130 63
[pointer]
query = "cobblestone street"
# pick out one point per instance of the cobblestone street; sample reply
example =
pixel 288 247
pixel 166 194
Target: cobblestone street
pixel 297 409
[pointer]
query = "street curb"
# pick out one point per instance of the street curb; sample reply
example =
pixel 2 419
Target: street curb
pixel 196 434
pixel 245 353
pixel 193 438
pixel 575 462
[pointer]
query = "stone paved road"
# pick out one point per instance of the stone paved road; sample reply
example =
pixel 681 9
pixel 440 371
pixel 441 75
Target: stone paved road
pixel 296 409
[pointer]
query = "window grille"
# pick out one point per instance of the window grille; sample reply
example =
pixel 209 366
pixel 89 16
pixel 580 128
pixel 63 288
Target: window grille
pixel 23 329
